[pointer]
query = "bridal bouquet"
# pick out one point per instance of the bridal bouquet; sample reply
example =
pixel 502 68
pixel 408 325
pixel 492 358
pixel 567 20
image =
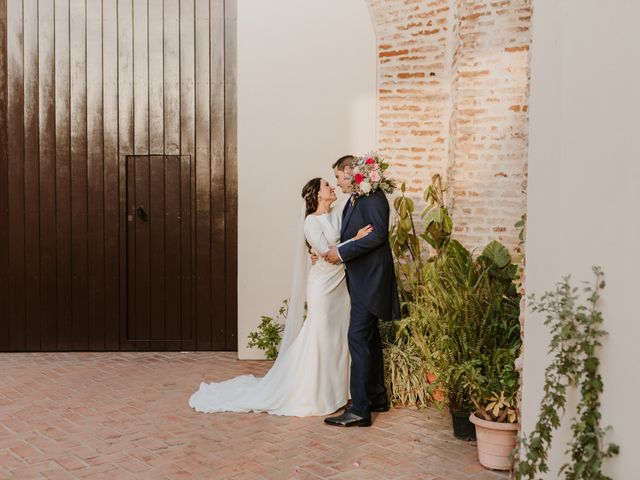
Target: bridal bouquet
pixel 368 175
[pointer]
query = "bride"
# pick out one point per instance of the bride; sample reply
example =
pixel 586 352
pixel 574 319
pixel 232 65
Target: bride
pixel 311 374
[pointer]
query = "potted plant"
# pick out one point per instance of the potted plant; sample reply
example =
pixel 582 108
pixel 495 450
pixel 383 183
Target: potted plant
pixel 471 310
pixel 493 386
pixel 492 378
pixel 458 307
pixel 446 292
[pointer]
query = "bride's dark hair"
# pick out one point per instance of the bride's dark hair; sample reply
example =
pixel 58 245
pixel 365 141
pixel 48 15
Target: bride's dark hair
pixel 310 194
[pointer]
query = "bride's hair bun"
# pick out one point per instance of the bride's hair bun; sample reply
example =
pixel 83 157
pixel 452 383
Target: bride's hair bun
pixel 310 195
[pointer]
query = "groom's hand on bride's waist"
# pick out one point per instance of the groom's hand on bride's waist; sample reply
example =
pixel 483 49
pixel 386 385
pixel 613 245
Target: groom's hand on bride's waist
pixel 332 255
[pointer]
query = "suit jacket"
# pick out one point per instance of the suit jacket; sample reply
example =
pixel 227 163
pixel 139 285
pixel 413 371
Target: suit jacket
pixel 369 263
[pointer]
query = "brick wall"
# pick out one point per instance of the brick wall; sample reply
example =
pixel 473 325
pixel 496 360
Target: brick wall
pixel 453 80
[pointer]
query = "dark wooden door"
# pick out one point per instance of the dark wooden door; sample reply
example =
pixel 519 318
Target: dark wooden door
pixel 159 253
pixel 103 103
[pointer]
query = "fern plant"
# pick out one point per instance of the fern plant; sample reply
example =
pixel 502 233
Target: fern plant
pixel 470 311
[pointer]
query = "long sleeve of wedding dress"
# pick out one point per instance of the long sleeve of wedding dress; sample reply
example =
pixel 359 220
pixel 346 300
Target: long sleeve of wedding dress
pixel 310 377
pixel 315 235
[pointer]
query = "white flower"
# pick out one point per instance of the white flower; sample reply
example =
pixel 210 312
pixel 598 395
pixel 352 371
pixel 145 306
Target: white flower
pixel 365 187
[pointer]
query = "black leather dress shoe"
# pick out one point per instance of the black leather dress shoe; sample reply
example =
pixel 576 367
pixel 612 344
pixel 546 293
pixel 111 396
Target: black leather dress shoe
pixel 348 419
pixel 375 407
pixel 380 407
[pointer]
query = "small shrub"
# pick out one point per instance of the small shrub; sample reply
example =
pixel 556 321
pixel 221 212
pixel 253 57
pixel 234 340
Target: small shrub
pixel 269 333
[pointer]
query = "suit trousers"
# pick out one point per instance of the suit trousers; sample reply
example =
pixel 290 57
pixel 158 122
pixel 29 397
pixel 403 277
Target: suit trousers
pixel 367 364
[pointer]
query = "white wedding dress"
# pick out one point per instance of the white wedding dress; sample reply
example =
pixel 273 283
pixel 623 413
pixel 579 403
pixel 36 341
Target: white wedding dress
pixel 311 376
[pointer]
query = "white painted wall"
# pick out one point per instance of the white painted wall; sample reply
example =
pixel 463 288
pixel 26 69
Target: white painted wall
pixel 584 196
pixel 306 96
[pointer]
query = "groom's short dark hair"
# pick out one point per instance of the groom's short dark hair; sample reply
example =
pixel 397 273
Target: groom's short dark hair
pixel 346 161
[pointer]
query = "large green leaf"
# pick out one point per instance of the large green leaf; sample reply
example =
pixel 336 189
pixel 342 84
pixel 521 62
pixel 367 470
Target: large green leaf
pixel 434 215
pixel 410 205
pixel 458 250
pixel 406 224
pixel 427 238
pixel 497 253
pixel 447 224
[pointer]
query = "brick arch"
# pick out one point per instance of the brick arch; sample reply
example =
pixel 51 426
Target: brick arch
pixel 453 84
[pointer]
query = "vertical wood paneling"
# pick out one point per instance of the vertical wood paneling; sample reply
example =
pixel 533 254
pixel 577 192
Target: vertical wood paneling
pixel 15 54
pixel 140 268
pixel 217 196
pixel 171 92
pixel 86 83
pixel 156 191
pixel 203 176
pixel 156 81
pixel 63 177
pixel 231 173
pixel 128 328
pixel 47 143
pixel 172 250
pixel 31 175
pixel 187 78
pixel 156 251
pixel 187 147
pixel 187 286
pixel 171 75
pixel 140 78
pixel 125 147
pixel 79 240
pixel 111 173
pixel 4 185
pixel 95 175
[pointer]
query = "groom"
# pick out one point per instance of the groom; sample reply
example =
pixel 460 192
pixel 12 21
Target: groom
pixel 372 285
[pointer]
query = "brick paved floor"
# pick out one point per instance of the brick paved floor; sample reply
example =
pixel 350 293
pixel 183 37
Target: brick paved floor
pixel 125 415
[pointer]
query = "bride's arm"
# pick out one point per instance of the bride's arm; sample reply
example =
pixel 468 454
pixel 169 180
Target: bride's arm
pixel 363 232
pixel 315 236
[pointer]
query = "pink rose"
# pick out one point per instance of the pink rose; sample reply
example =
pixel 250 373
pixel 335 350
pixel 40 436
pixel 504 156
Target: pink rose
pixel 375 176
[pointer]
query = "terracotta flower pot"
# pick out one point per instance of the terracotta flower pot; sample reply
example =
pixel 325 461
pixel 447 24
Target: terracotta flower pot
pixel 496 441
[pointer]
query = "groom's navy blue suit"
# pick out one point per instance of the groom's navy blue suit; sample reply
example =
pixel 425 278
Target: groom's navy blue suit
pixel 371 281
